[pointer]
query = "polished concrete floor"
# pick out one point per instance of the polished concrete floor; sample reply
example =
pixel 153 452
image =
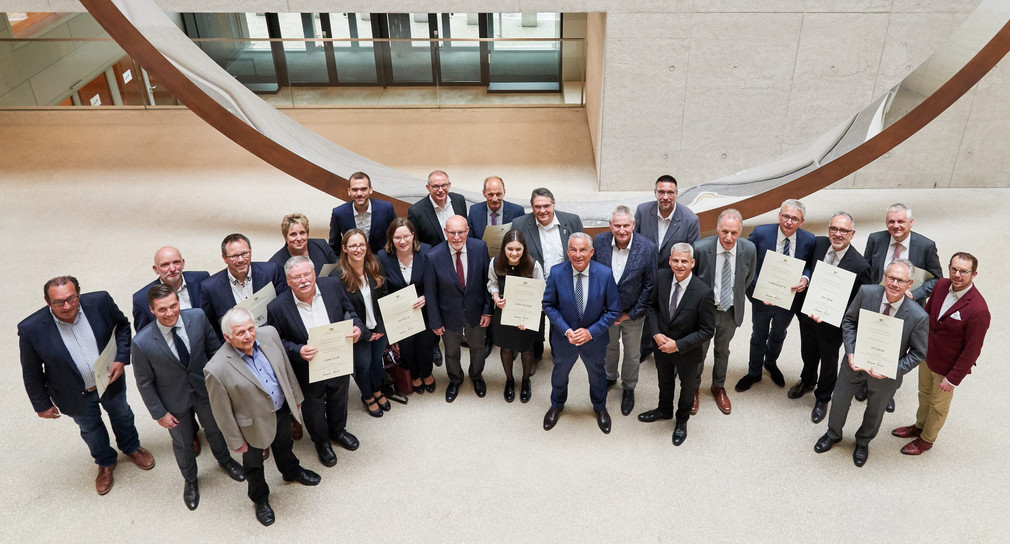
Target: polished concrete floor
pixel 95 195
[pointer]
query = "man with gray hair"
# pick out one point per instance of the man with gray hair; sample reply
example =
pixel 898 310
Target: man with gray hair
pixel 632 260
pixel 770 322
pixel 254 394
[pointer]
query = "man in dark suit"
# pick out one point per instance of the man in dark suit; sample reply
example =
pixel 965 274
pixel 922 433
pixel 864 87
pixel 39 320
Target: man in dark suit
pixel 582 302
pixel 727 265
pixel 546 231
pixel 60 345
pixel 681 318
pixel 254 395
pixel 770 322
pixel 820 341
pixel 315 303
pixel 458 302
pixel 238 281
pixel 361 212
pixel 889 300
pixel 168 360
pixel 958 321
pixel 169 265
pixel 495 210
pixel 631 258
pixel 664 222
pixel 429 214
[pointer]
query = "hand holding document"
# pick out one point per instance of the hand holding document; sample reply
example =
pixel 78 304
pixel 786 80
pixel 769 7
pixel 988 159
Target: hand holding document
pixel 336 351
pixel 399 316
pixel 524 301
pixel 257 304
pixel 493 235
pixel 878 343
pixel 779 273
pixel 102 365
pixel 828 294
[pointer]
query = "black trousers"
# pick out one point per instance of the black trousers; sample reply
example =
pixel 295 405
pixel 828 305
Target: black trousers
pixel 668 366
pixel 325 408
pixel 287 463
pixel 819 347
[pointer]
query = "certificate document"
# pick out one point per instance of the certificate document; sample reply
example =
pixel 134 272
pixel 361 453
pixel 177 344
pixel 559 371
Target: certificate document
pixel 878 343
pixel 257 304
pixel 327 268
pixel 828 293
pixel 524 301
pixel 398 315
pixel 779 273
pixel 336 351
pixel 493 235
pixel 105 360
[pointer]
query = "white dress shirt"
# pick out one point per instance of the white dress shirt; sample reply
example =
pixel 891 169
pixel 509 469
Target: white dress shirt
pixel 780 243
pixel 889 256
pixel 313 313
pixel 619 259
pixel 442 214
pixel 663 223
pixel 363 220
pixel 241 289
pixel 550 241
pixel 79 338
pixel 366 293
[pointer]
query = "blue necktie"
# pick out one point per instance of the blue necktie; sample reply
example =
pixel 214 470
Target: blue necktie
pixel 785 250
pixel 180 347
pixel 579 303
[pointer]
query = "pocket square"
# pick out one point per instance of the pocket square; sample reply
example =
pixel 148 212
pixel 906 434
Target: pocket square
pixel 956 315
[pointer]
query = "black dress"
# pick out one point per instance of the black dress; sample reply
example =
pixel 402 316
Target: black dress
pixel 507 336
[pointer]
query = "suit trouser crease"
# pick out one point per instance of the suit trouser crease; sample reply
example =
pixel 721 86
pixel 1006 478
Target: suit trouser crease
pixel 819 347
pixel 284 458
pixel 725 330
pixel 629 336
pixel 594 362
pixel 325 408
pixel 453 353
pixel 182 438
pixel 668 367
pixel 878 394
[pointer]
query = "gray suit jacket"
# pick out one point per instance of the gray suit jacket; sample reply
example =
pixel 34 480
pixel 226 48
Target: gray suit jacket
pixel 914 330
pixel 242 407
pixel 164 384
pixel 527 224
pixel 684 227
pixel 706 268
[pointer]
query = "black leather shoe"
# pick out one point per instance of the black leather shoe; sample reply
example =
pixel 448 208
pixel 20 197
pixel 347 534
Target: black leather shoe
pixel 487 350
pixel 551 417
pixel 234 470
pixel 264 513
pixel 305 477
pixel 627 401
pixel 325 453
pixel 861 393
pixel 820 410
pixel 437 358
pixel 369 403
pixel 680 433
pixel 824 443
pixel 384 405
pixel 746 382
pixel 525 392
pixel 603 420
pixel 860 454
pixel 776 375
pixel 510 390
pixel 611 383
pixel 191 494
pixel 890 405
pixel 346 440
pixel 653 415
pixel 480 387
pixel 451 391
pixel 419 389
pixel 430 387
pixel 799 389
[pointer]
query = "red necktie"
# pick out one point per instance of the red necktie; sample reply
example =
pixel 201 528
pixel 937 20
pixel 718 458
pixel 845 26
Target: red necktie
pixel 459 270
pixel 897 252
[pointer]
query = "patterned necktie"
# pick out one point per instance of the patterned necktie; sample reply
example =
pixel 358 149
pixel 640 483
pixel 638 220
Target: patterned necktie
pixel 830 258
pixel 897 252
pixel 180 347
pixel 726 284
pixel 494 218
pixel 785 249
pixel 675 299
pixel 459 270
pixel 580 304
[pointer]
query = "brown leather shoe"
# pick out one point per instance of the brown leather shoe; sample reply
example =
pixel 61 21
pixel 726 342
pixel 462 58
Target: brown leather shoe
pixel 266 454
pixel 296 430
pixel 142 458
pixel 196 444
pixel 694 407
pixel 104 481
pixel 721 399
pixel 910 431
pixel 916 447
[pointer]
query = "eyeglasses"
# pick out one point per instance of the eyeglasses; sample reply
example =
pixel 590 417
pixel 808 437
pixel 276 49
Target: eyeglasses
pixel 959 271
pixel 836 230
pixel 438 187
pixel 239 256
pixel 899 281
pixel 790 218
pixel 665 193
pixel 455 233
pixel 69 301
pixel 403 238
pixel 356 247
pixel 300 277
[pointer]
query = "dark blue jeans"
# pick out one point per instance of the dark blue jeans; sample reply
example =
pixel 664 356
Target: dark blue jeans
pixel 96 436
pixel 368 372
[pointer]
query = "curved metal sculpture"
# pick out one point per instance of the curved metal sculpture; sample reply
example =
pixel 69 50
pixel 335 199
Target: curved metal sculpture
pixel 146 33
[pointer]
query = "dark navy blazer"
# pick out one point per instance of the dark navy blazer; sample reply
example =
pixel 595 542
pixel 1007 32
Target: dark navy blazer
pixel 342 220
pixel 639 274
pixel 142 310
pixel 218 296
pixel 477 219
pixel 447 303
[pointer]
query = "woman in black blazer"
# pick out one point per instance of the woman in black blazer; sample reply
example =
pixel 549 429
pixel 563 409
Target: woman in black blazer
pixel 403 261
pixel 295 228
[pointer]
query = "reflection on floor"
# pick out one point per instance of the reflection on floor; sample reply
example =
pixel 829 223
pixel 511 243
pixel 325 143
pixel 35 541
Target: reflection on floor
pixel 419 96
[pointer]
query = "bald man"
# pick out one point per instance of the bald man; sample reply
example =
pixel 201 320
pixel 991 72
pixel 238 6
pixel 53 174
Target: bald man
pixel 170 268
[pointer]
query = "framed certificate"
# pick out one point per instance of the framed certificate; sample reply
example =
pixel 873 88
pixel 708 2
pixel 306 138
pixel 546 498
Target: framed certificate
pixel 779 273
pixel 828 293
pixel 257 304
pixel 524 301
pixel 399 316
pixel 878 343
pixel 336 351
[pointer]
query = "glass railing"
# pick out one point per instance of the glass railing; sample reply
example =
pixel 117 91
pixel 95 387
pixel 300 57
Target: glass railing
pixel 312 73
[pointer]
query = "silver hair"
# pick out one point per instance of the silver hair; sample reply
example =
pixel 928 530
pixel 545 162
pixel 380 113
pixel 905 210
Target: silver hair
pixel 730 212
pixel 233 317
pixel 845 214
pixel 295 261
pixel 903 262
pixel 580 236
pixel 793 203
pixel 899 207
pixel 682 247
pixel 622 210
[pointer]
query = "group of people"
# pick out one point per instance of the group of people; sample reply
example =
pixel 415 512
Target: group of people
pixel 649 285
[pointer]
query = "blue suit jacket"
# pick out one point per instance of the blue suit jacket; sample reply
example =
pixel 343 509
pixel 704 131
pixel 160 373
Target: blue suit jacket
pixel 448 304
pixel 636 284
pixel 282 314
pixel 391 271
pixel 142 310
pixel 50 375
pixel 218 296
pixel 684 227
pixel 342 220
pixel 603 307
pixel 319 253
pixel 477 218
pixel 765 237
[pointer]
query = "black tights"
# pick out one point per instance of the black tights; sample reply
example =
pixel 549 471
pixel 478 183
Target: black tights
pixel 508 357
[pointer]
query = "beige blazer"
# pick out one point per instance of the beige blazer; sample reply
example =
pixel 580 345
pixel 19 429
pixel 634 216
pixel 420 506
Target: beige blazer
pixel 241 406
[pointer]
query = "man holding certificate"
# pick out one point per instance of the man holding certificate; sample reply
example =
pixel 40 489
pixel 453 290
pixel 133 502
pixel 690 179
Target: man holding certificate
pixel 61 346
pixel 313 303
pixel 240 279
pixel 819 339
pixel 770 322
pixel 911 343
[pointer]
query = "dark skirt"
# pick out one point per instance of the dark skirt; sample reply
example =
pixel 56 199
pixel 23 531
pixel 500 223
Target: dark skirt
pixel 509 337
